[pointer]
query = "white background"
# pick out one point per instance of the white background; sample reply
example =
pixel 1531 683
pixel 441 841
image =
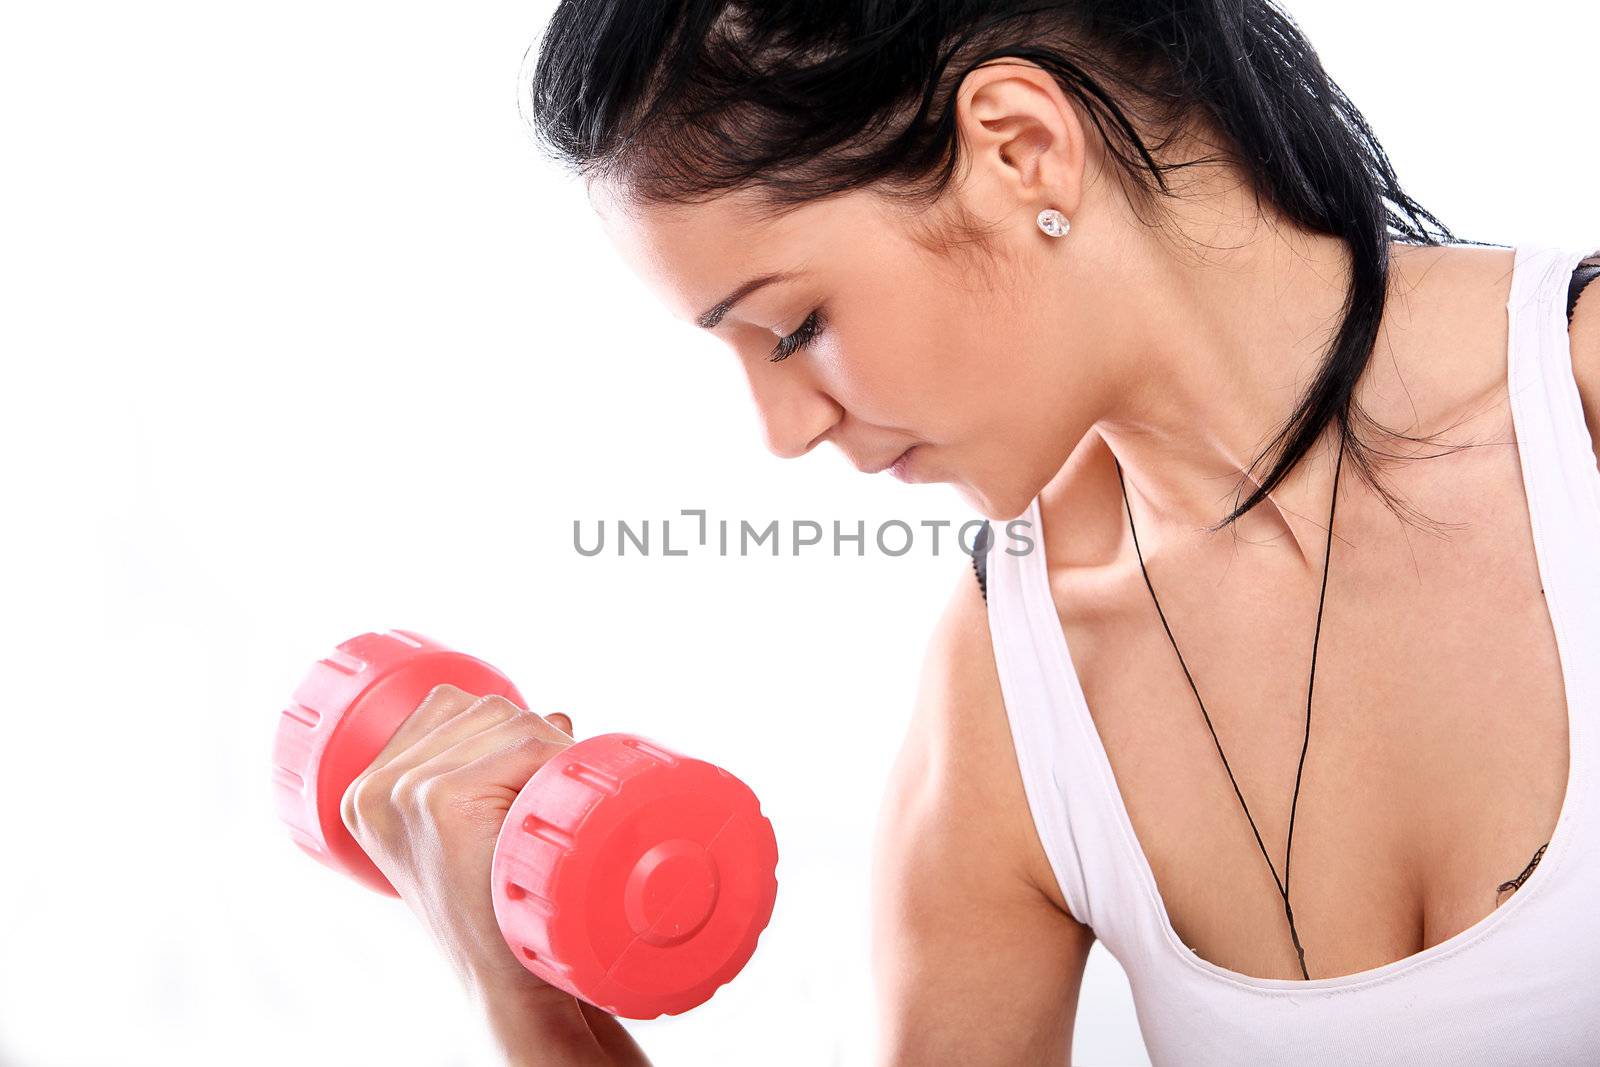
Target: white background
pixel 302 338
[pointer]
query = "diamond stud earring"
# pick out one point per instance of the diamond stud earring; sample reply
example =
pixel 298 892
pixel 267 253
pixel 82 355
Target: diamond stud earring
pixel 1053 222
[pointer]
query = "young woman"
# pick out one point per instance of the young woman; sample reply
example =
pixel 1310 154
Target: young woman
pixel 1304 567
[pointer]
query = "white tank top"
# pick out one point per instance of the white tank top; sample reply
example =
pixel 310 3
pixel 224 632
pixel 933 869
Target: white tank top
pixel 1521 985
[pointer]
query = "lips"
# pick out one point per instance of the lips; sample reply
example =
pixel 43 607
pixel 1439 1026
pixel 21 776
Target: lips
pixel 902 463
pixel 887 464
pixel 878 467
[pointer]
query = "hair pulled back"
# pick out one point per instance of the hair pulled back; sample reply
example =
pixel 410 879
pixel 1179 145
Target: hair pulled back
pixel 799 100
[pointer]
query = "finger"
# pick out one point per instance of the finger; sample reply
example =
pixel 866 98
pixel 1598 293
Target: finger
pixel 443 702
pixel 560 721
pixel 482 714
pixel 515 742
pixel 490 767
pixel 506 765
pixel 372 790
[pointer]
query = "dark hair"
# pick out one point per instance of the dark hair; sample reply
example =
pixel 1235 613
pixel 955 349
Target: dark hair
pixel 797 100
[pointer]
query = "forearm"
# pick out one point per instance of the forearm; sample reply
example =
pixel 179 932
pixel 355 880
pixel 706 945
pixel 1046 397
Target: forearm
pixel 557 1032
pixel 613 1038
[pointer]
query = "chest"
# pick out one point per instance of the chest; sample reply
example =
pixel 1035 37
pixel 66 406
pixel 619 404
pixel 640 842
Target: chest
pixel 1437 755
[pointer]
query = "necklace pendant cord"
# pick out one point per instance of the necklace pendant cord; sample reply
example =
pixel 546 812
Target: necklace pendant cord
pixel 1283 884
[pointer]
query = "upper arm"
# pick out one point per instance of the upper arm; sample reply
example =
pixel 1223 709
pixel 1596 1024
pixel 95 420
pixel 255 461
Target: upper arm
pixel 973 961
pixel 1585 333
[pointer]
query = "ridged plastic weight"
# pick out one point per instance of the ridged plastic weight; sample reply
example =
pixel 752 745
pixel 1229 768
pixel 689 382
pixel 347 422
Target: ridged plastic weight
pixel 627 874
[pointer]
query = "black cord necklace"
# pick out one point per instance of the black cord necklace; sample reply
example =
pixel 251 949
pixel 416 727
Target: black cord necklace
pixel 1283 884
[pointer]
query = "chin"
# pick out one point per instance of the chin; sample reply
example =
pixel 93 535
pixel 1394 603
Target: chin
pixel 995 504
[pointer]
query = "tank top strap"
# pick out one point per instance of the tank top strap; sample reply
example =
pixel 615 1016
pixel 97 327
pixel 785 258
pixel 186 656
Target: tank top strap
pixel 1065 772
pixel 1562 481
pixel 1559 467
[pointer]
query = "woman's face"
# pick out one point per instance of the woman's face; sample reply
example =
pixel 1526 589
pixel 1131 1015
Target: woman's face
pixel 968 359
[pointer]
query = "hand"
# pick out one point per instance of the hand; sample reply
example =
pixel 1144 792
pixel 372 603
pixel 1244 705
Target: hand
pixel 428 810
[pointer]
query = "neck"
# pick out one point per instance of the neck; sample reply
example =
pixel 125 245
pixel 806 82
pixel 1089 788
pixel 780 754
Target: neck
pixel 1231 332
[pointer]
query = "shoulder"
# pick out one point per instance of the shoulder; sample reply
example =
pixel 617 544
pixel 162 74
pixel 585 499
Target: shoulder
pixel 1584 331
pixel 965 928
pixel 958 747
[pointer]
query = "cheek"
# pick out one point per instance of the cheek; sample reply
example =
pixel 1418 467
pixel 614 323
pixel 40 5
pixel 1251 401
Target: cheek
pixel 918 366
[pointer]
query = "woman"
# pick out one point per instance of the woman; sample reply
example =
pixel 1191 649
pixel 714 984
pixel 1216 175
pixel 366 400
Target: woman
pixel 1140 276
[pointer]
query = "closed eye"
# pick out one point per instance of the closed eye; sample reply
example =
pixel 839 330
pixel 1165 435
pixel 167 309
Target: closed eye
pixel 809 331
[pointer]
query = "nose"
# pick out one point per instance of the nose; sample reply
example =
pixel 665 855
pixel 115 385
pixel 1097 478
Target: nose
pixel 795 414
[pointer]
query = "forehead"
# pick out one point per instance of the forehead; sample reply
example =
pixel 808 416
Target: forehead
pixel 691 255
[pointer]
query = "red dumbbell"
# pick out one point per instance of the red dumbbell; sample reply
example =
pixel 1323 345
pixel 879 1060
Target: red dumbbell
pixel 631 876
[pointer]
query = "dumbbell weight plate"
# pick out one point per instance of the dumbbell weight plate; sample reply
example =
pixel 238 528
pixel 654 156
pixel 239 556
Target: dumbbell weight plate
pixel 633 876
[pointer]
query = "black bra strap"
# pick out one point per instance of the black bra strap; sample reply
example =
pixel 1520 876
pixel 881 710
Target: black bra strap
pixel 980 560
pixel 1586 273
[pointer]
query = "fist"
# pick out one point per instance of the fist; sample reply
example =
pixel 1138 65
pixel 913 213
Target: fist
pixel 428 811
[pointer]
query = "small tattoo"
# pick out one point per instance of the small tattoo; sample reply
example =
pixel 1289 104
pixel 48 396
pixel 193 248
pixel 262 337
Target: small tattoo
pixel 1516 883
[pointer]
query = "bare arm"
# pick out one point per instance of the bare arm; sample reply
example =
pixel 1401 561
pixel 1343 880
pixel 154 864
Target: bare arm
pixel 531 1032
pixel 975 958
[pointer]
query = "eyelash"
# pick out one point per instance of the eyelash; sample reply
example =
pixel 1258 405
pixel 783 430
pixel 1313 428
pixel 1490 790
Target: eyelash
pixel 808 332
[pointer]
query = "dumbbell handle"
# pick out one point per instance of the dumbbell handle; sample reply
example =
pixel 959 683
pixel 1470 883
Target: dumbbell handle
pixel 627 874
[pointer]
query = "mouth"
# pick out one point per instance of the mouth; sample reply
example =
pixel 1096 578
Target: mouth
pixel 896 465
pixel 901 466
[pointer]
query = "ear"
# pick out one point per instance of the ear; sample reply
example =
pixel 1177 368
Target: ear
pixel 1024 140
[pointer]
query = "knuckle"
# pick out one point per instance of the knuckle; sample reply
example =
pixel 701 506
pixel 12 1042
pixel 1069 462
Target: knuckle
pixel 347 808
pixel 363 802
pixel 435 799
pixel 443 703
pixel 441 804
pixel 444 691
pixel 494 709
pixel 445 700
pixel 535 741
pixel 432 798
pixel 531 748
pixel 408 788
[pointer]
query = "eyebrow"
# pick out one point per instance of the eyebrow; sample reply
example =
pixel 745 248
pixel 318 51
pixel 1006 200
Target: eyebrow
pixel 710 319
